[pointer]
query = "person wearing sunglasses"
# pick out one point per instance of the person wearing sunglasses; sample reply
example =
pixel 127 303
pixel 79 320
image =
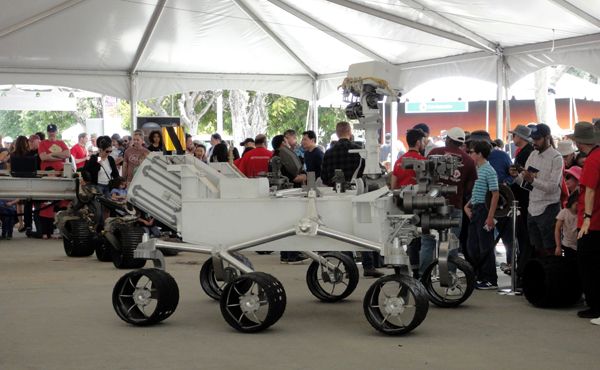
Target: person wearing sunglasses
pixel 101 168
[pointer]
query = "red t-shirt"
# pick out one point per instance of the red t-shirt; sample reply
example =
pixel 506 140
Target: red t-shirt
pixel 79 152
pixel 255 162
pixel 404 176
pixel 47 210
pixel 590 177
pixel 464 178
pixel 48 147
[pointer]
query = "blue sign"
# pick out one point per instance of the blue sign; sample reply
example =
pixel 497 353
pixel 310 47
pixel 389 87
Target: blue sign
pixel 436 107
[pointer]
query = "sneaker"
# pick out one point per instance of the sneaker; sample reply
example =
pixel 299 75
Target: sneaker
pixel 372 272
pixel 485 285
pixel 588 314
pixel 595 321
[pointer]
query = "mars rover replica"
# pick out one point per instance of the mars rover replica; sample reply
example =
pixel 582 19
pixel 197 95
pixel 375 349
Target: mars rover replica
pixel 211 207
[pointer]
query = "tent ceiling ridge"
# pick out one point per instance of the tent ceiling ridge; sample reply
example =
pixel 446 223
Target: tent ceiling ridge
pixel 39 17
pixel 152 23
pixel 201 75
pixel 577 11
pixel 469 34
pixel 415 25
pixel 556 44
pixel 260 23
pixel 328 30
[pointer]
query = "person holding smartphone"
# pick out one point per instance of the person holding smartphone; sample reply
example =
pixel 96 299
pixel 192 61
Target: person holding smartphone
pixel 542 174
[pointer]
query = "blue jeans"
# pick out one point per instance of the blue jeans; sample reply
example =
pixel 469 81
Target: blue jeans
pixel 428 243
pixel 480 245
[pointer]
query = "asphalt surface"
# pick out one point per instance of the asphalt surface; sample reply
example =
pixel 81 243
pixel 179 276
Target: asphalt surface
pixel 56 313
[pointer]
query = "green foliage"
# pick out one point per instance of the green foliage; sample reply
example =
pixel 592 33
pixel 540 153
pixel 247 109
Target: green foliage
pixel 286 113
pixel 328 118
pixel 15 123
pixel 124 110
pixel 89 108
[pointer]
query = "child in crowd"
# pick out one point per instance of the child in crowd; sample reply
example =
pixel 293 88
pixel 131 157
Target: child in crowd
pixel 8 211
pixel 565 231
pixel 119 194
pixel 480 242
pixel 46 219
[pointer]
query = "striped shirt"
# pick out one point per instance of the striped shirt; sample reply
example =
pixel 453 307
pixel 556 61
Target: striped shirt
pixel 487 180
pixel 546 185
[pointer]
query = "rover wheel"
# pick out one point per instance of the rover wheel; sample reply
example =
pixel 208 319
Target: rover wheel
pixel 78 243
pixel 461 286
pixel 145 297
pixel 253 302
pixel 103 250
pixel 332 284
pixel 208 281
pixel 396 304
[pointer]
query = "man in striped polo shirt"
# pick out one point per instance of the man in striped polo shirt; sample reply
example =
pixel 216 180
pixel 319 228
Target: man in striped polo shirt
pixel 480 242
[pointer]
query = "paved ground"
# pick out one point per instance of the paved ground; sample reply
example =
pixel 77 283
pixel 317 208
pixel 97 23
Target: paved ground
pixel 56 313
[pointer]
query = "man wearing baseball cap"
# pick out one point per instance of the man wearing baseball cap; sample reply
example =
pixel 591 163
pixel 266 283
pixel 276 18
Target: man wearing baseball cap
pixel 53 151
pixel 542 175
pixel 587 139
pixel 463 179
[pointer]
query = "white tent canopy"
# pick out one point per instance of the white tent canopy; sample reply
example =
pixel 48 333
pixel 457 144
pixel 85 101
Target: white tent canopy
pixel 137 49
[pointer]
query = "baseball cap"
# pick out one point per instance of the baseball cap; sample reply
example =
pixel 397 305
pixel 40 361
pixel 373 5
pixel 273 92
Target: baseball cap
pixel 456 134
pixel 539 131
pixel 51 128
pixel 246 141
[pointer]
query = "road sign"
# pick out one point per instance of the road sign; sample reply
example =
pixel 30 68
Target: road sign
pixel 436 107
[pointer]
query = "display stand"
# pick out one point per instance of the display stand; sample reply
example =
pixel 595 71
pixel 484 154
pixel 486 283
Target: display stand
pixel 514 211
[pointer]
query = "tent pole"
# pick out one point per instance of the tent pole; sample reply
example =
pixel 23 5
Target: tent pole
pixel 312 119
pixel 394 130
pixel 571 113
pixel 499 90
pixel 133 100
pixel 487 115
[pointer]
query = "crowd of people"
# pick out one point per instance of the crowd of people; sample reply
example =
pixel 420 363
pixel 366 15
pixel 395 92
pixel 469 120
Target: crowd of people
pixel 555 184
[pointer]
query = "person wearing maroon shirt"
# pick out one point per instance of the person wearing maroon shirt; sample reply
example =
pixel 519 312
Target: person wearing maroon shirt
pixel 587 139
pixel 415 139
pixel 463 178
pixel 53 152
pixel 256 161
pixel 79 151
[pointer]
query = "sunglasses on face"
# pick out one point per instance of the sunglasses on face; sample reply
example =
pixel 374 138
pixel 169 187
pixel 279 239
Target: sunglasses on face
pixel 108 151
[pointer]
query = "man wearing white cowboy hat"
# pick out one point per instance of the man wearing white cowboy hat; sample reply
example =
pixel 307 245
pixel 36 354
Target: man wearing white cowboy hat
pixel 587 138
pixel 567 150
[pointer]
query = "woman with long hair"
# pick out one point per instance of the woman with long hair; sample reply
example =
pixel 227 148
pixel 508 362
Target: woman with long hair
pixel 156 141
pixel 101 168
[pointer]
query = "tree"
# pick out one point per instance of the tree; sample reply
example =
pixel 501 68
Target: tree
pixel 248 113
pixel 193 106
pixel 545 81
pixel 10 123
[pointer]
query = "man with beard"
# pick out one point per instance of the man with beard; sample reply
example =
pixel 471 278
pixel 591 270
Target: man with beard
pixel 542 176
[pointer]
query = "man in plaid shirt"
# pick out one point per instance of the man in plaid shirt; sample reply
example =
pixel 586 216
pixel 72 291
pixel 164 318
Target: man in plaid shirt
pixel 337 157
